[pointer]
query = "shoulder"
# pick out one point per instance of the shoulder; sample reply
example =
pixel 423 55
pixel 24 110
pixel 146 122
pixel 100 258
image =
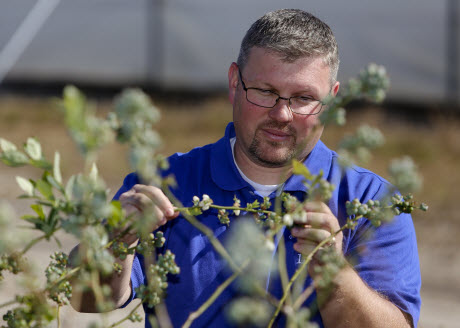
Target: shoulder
pixel 357 182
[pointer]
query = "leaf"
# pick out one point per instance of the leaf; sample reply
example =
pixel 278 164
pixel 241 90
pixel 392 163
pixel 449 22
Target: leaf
pixel 94 173
pixel 33 149
pixel 34 220
pixel 45 189
pixel 300 169
pixel 69 187
pixel 14 158
pixel 116 213
pixel 51 180
pixel 56 167
pixel 5 145
pixel 39 210
pixel 25 185
pixel 194 211
pixel 41 164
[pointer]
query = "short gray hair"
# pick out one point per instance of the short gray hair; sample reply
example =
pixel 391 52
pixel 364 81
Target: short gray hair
pixel 293 34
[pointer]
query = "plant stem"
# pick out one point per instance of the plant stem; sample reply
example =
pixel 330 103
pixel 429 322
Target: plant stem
pixel 8 303
pixel 32 243
pixel 127 317
pixel 213 297
pixel 58 316
pixel 282 262
pixel 302 298
pixel 204 229
pixel 214 241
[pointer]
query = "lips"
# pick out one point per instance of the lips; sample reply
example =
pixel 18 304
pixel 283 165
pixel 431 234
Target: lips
pixel 276 135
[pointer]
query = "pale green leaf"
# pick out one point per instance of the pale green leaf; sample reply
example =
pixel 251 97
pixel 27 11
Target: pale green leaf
pixel 56 167
pixel 300 169
pixel 5 145
pixel 69 187
pixel 33 149
pixel 94 173
pixel 25 185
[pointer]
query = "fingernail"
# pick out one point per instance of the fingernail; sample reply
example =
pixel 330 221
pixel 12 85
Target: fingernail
pixel 169 212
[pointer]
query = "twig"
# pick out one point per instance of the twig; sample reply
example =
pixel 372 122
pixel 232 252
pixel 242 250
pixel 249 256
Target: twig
pixel 58 316
pixel 32 243
pixel 127 317
pixel 213 297
pixel 208 233
pixel 8 303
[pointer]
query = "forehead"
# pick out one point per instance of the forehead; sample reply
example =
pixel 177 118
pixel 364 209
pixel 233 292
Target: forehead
pixel 267 67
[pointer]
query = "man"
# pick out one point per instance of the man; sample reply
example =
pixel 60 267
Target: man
pixel 287 64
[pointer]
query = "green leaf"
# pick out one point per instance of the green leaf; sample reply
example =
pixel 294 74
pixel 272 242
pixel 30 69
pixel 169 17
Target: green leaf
pixel 5 145
pixel 39 210
pixel 300 169
pixel 116 213
pixel 25 185
pixel 56 167
pixel 14 158
pixel 194 211
pixel 41 164
pixel 34 220
pixel 45 189
pixel 94 173
pixel 69 187
pixel 33 149
pixel 50 179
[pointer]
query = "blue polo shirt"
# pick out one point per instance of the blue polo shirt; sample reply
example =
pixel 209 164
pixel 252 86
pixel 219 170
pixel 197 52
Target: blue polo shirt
pixel 387 259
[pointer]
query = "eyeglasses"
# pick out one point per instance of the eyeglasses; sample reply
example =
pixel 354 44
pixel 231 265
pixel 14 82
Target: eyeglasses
pixel 268 99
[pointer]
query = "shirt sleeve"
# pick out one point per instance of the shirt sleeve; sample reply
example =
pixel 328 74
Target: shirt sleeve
pixel 386 258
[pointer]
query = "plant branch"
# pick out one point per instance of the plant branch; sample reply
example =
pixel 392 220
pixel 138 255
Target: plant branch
pixel 214 296
pixel 127 317
pixel 32 243
pixel 208 232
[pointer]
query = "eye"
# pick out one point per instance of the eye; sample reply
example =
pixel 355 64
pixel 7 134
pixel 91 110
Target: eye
pixel 264 92
pixel 305 99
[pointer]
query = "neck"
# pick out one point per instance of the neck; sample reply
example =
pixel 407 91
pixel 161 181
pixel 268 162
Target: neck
pixel 259 173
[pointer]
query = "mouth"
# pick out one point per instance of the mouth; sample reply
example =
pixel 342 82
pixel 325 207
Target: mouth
pixel 276 135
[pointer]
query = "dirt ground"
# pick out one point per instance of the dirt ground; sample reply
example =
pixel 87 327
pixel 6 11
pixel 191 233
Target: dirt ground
pixel 433 143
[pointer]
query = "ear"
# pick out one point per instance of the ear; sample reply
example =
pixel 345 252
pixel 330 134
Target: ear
pixel 232 81
pixel 335 88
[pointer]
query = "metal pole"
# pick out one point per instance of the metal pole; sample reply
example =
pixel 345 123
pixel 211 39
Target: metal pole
pixel 154 61
pixel 452 63
pixel 25 34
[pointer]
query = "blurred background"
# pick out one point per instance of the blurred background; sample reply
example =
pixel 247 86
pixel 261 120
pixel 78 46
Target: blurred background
pixel 179 52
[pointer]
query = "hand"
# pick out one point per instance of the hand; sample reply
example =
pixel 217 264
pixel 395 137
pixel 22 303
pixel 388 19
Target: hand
pixel 319 225
pixel 141 198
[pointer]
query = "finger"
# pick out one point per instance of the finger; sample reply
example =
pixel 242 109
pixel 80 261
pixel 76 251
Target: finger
pixel 317 207
pixel 320 220
pixel 310 234
pixel 137 200
pixel 158 198
pixel 304 248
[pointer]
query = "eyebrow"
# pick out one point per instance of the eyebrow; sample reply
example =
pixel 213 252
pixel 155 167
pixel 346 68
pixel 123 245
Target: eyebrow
pixel 310 90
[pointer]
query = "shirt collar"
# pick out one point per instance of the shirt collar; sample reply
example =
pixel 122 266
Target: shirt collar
pixel 223 169
pixel 225 174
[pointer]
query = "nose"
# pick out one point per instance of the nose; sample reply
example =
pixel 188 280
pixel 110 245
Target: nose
pixel 281 112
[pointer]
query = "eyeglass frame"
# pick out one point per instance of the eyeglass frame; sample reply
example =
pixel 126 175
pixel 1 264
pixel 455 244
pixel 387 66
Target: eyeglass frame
pixel 320 102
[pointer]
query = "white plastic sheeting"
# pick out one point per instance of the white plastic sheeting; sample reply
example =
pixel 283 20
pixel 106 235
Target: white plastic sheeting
pixel 183 44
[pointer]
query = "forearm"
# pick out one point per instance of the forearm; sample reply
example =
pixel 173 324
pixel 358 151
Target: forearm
pixel 119 284
pixel 353 304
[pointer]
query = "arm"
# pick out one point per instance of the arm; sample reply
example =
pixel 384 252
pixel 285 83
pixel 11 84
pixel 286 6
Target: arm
pixel 351 303
pixel 134 201
pixel 354 304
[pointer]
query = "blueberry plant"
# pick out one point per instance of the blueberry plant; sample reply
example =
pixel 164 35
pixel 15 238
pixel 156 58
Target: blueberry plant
pixel 81 207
